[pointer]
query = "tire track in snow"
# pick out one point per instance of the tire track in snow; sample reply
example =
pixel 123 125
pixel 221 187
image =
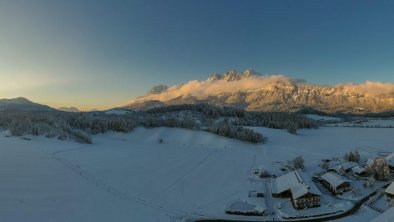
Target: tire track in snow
pixel 205 205
pixel 177 215
pixel 188 172
pixel 253 165
pixel 304 151
pixel 69 150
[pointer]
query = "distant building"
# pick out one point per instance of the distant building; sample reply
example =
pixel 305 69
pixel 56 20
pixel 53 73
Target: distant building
pixel 359 171
pixel 335 183
pixel 343 168
pixel 390 191
pixel 299 187
pixel 370 161
pixel 390 161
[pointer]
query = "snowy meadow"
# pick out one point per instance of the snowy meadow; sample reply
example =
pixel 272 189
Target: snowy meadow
pixel 158 174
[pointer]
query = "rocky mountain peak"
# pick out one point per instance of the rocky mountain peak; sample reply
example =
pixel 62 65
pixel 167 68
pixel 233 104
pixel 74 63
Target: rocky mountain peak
pixel 272 93
pixel 233 75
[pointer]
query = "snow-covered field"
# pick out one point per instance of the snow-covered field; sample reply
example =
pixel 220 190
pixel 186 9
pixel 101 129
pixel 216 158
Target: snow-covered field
pixel 134 177
pixel 323 118
pixel 370 122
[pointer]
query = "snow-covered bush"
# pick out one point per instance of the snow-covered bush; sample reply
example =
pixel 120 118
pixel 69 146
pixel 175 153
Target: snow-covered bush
pixel 352 157
pixel 298 162
pixel 81 136
pixel 370 182
pixel 324 165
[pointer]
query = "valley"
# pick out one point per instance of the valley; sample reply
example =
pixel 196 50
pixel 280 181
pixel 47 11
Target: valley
pixel 132 176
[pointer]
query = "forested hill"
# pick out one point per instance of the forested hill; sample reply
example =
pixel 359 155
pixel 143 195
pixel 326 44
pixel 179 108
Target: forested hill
pixel 224 121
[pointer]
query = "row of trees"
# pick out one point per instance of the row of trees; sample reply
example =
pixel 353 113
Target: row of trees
pixel 237 132
pixel 239 117
pixel 224 121
pixel 75 126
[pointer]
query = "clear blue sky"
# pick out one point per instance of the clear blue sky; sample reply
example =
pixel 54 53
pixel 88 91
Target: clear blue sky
pixel 98 54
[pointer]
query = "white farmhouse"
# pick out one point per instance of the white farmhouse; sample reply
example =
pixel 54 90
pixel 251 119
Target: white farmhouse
pixel 335 183
pixel 390 161
pixel 342 168
pixel 359 171
pixel 299 187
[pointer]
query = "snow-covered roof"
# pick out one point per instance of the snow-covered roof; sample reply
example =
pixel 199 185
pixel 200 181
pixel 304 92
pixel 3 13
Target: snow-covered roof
pixel 262 167
pixel 345 166
pixel 370 161
pixel 390 189
pixel 285 182
pixel 334 179
pixel 348 165
pixel 297 182
pixel 358 169
pixel 387 216
pixel 302 189
pixel 390 159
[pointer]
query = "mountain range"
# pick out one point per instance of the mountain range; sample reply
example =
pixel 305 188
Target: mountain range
pixel 252 91
pixel 69 109
pixel 255 92
pixel 21 103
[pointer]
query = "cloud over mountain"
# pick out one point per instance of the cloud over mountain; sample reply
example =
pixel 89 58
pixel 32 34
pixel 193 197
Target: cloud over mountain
pixel 216 84
pixel 254 91
pixel 369 88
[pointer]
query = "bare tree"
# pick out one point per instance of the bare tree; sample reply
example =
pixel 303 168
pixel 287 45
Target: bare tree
pixel 324 165
pixel 379 169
